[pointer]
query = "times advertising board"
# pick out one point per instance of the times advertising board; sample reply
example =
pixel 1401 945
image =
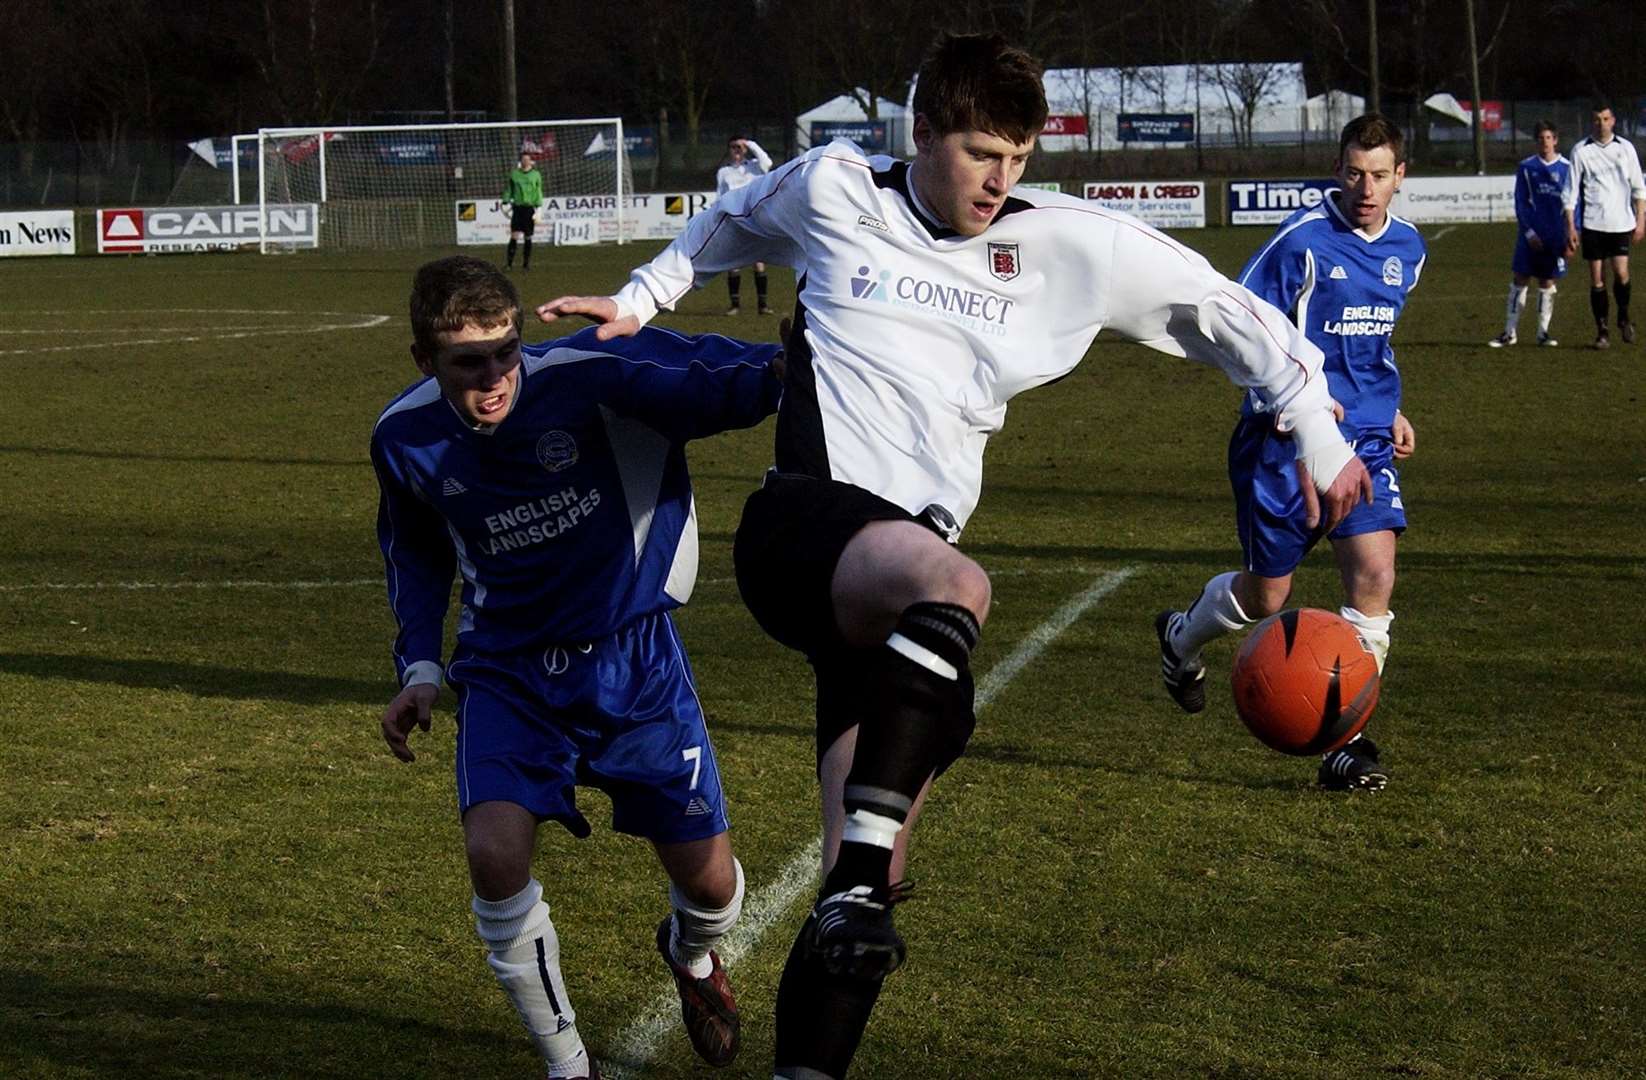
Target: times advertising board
pixel 173 229
pixel 1269 202
pixel 1165 204
pixel 485 222
pixel 37 232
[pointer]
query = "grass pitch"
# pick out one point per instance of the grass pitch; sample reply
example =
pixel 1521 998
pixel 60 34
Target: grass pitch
pixel 211 867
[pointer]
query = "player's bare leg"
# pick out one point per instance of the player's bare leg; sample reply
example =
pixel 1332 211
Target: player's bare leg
pixel 513 920
pixel 1227 604
pixel 913 606
pixel 1366 565
pixel 706 894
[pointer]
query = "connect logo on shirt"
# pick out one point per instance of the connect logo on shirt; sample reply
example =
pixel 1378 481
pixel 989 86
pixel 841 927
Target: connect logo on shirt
pixel 866 288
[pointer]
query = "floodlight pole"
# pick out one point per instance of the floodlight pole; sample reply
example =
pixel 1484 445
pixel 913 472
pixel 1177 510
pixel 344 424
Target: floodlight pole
pixel 1479 129
pixel 511 95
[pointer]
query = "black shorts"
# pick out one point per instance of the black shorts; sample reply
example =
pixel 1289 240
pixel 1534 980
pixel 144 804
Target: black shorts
pixel 521 219
pixel 1605 245
pixel 788 543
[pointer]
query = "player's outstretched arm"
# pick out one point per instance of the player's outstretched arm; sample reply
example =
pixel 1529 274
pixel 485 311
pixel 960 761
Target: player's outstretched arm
pixel 598 309
pixel 412 707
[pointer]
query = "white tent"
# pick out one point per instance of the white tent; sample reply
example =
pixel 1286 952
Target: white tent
pixel 845 110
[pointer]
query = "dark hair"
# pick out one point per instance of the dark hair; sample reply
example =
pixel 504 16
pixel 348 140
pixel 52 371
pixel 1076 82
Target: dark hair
pixel 1600 105
pixel 460 290
pixel 1545 125
pixel 1370 132
pixel 979 82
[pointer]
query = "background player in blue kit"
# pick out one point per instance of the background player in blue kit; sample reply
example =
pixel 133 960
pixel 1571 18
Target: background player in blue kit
pixel 1344 270
pixel 554 477
pixel 1542 184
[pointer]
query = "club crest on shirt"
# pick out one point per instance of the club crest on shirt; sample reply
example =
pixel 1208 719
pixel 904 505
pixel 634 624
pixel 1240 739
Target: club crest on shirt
pixel 556 450
pixel 1391 270
pixel 1003 262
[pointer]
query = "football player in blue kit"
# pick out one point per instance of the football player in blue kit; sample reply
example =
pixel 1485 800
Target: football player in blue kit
pixel 1541 248
pixel 1343 269
pixel 553 477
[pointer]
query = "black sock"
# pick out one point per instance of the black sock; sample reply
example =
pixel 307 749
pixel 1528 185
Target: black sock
pixel 1597 304
pixel 820 1017
pixel 734 285
pixel 1620 289
pixel 760 288
pixel 526 254
pixel 511 252
pixel 911 730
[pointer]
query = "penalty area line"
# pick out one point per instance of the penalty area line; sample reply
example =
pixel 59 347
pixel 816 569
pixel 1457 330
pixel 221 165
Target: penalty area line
pixel 641 1040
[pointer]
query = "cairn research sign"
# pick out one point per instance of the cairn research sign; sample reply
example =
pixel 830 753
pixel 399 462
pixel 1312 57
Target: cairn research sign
pixel 168 229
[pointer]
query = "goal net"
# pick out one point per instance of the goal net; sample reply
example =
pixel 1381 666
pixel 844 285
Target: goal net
pixel 435 185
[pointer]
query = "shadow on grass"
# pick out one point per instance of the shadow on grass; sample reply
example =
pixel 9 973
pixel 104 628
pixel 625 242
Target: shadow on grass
pixel 120 1028
pixel 207 459
pixel 201 680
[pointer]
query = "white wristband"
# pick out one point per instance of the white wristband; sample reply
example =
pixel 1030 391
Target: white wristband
pixel 423 671
pixel 1320 447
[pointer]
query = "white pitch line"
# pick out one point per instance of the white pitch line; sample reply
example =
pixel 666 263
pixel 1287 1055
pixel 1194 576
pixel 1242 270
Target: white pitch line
pixel 362 321
pixel 1441 233
pixel 639 1043
pixel 352 583
pixel 141 586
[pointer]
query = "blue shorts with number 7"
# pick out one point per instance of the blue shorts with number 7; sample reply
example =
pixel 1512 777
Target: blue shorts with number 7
pixel 1269 508
pixel 620 714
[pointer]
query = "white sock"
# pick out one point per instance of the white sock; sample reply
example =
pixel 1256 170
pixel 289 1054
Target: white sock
pixel 1373 628
pixel 1214 613
pixel 697 930
pixel 1511 314
pixel 1545 310
pixel 525 957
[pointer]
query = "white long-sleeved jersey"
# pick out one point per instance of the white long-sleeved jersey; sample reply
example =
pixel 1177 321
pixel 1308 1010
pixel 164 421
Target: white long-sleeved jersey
pixel 915 337
pixel 1606 178
pixel 755 164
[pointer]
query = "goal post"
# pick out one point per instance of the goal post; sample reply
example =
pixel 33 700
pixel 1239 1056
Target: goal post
pixel 411 185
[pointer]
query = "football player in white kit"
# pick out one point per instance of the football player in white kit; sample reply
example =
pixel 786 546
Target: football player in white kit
pixel 746 162
pixel 930 293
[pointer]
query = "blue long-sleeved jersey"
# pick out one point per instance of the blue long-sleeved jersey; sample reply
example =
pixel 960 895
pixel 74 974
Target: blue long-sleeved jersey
pixel 1541 189
pixel 1345 290
pixel 574 515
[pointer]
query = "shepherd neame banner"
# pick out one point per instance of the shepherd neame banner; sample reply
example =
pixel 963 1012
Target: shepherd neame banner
pixel 1165 204
pixel 37 232
pixel 205 228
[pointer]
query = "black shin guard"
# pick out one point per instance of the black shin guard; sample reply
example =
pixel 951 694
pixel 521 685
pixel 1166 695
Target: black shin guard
pixel 734 286
pixel 526 253
pixel 512 245
pixel 1620 290
pixel 760 287
pixel 921 707
pixel 1597 304
pixel 820 1017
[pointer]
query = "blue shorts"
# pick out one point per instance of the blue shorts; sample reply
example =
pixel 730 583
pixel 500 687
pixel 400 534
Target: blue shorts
pixel 620 714
pixel 1269 510
pixel 1545 265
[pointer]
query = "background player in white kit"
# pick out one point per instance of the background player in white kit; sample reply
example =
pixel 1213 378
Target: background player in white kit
pixel 746 162
pixel 1607 185
pixel 554 476
pixel 1542 245
pixel 1344 270
pixel 930 294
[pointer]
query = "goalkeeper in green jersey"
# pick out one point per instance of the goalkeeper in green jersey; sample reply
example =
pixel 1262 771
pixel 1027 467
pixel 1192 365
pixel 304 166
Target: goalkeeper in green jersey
pixel 523 194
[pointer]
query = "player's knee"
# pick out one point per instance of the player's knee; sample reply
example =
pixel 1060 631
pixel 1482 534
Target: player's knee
pixel 496 867
pixel 1260 597
pixel 1372 584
